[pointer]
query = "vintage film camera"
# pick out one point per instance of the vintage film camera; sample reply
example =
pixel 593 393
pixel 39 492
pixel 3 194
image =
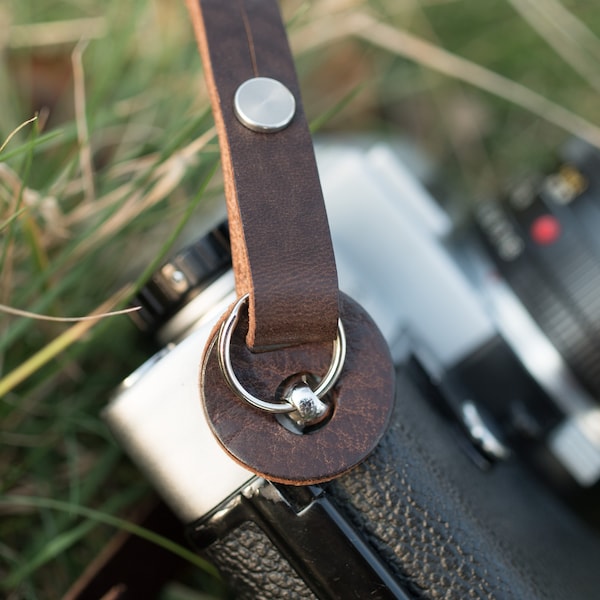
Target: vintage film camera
pixel 494 331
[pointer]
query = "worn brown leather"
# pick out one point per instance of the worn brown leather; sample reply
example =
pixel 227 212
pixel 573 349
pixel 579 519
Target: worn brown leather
pixel 281 244
pixel 363 400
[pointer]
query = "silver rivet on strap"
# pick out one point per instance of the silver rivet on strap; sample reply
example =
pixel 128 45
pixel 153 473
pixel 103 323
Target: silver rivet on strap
pixel 264 104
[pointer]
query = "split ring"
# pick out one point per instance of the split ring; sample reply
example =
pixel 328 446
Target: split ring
pixel 224 344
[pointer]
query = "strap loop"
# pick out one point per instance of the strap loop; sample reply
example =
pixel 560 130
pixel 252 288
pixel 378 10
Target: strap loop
pixel 281 243
pixel 324 386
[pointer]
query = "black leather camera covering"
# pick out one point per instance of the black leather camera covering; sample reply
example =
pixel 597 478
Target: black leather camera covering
pixel 445 528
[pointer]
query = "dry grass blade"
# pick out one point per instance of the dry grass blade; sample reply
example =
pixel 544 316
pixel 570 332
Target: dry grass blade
pixel 560 37
pixel 83 136
pixel 11 187
pixel 56 32
pixel 31 315
pixel 570 26
pixel 166 178
pixel 59 344
pixel 400 42
pixel 15 131
pixel 429 55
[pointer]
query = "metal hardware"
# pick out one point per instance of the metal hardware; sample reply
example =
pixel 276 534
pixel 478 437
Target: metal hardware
pixel 337 563
pixel 224 343
pixel 310 409
pixel 265 105
pixel 481 434
pixel 176 277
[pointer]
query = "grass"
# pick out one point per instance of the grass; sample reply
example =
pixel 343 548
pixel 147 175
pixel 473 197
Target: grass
pixel 120 160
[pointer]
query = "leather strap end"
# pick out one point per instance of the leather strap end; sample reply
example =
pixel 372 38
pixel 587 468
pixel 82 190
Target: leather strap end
pixel 281 243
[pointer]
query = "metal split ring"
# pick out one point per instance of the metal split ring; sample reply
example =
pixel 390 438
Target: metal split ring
pixel 224 343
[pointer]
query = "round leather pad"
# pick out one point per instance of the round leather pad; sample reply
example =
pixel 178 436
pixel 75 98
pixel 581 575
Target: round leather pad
pixel 363 399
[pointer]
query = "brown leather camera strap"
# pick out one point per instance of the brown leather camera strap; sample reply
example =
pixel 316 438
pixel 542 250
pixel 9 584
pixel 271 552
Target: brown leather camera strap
pixel 287 417
pixel 281 244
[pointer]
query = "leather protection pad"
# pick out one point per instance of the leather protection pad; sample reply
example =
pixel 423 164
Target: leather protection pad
pixel 363 399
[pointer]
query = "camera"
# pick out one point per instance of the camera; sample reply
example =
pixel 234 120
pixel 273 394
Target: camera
pixel 485 483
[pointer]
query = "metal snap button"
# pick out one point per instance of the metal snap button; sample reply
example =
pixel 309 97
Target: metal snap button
pixel 265 105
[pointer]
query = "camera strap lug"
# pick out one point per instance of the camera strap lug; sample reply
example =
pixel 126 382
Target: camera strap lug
pixel 291 327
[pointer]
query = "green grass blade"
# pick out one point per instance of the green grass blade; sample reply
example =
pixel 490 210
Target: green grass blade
pixel 10 219
pixel 41 142
pixel 96 516
pixel 337 108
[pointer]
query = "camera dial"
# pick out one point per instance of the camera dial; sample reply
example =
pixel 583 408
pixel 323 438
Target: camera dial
pixel 544 238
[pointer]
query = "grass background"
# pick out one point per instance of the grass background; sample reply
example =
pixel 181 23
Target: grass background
pixel 122 155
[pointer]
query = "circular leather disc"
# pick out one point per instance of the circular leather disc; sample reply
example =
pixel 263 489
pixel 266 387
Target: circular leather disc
pixel 363 400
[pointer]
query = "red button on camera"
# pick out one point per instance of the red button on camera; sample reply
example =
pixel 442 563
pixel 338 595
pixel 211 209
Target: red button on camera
pixel 545 230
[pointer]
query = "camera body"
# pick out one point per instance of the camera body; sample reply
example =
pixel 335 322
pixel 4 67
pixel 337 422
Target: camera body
pixel 446 506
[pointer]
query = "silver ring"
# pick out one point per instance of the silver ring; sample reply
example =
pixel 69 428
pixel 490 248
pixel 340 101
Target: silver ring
pixel 224 343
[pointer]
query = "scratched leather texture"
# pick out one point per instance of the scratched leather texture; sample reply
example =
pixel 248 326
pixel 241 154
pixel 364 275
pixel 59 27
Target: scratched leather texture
pixel 280 238
pixel 446 529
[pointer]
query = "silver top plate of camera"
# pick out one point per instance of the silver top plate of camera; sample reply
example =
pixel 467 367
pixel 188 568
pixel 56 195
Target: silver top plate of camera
pixel 158 419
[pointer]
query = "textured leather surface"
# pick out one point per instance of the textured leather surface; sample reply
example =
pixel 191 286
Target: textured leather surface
pixel 254 568
pixel 363 399
pixel 450 531
pixel 281 244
